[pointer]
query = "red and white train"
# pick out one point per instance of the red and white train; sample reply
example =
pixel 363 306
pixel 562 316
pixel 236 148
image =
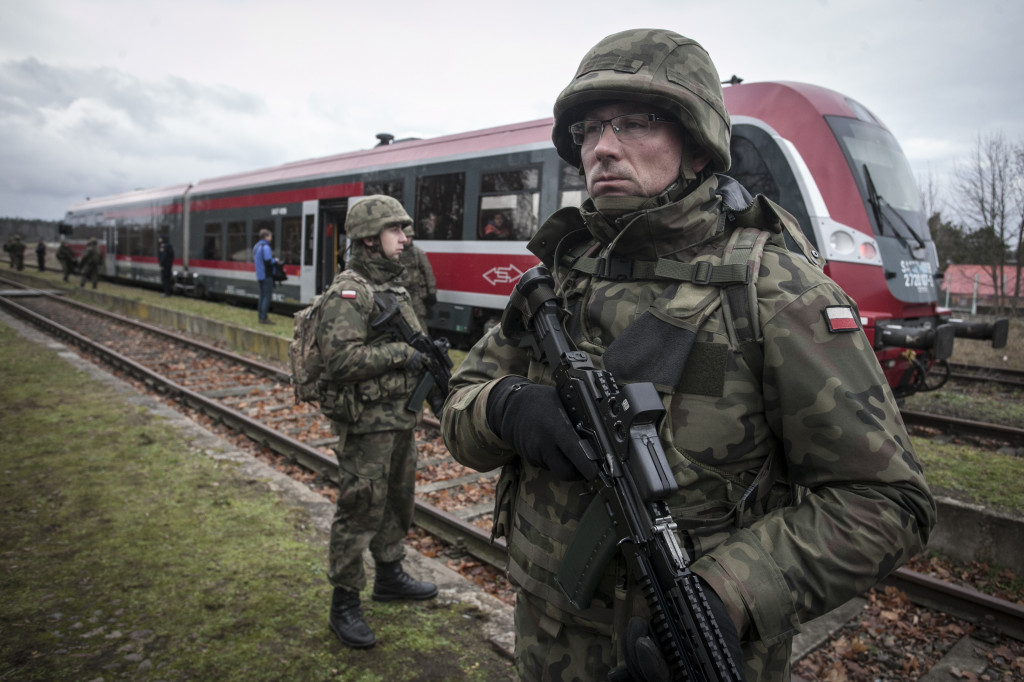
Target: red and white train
pixel 819 154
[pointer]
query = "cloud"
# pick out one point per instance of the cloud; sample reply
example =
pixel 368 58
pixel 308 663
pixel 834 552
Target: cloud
pixel 68 133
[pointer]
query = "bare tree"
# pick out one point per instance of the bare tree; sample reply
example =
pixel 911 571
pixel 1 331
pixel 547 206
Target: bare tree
pixel 987 201
pixel 1018 192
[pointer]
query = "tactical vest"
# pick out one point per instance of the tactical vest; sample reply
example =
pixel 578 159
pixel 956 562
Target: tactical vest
pixel 376 403
pixel 725 279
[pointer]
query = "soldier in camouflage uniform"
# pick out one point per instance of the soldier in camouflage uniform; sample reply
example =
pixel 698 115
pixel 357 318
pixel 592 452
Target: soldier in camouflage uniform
pixel 798 485
pixel 92 261
pixel 369 378
pixel 419 279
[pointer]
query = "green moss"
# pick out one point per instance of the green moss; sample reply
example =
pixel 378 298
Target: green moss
pixel 127 552
pixel 979 476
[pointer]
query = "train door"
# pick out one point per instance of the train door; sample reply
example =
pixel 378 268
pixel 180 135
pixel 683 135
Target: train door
pixel 331 231
pixel 307 272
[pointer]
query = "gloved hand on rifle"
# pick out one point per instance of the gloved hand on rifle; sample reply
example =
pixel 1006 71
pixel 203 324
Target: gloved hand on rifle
pixel 645 662
pixel 530 419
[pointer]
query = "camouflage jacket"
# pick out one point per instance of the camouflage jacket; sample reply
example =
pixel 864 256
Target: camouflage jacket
pixel 419 278
pixel 364 368
pixel 92 260
pixel 845 501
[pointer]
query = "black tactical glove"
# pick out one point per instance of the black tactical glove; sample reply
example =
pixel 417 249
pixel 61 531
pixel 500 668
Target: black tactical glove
pixel 645 662
pixel 529 417
pixel 415 361
pixel 429 300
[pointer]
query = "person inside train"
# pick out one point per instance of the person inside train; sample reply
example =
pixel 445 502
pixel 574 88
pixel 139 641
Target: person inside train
pixel 798 486
pixel 496 227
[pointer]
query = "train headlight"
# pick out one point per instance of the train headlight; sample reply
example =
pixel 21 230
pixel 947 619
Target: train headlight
pixel 841 242
pixel 868 251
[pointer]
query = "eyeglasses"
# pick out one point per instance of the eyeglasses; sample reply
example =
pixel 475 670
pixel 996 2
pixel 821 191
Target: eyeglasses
pixel 625 127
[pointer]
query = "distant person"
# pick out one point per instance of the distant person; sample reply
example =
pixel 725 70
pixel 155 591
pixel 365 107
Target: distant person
pixel 419 279
pixel 66 258
pixel 496 228
pixel 165 257
pixel 263 259
pixel 41 255
pixel 16 249
pixel 92 261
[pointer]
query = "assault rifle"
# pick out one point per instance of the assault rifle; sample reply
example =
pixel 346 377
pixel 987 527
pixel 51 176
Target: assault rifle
pixel 433 386
pixel 631 477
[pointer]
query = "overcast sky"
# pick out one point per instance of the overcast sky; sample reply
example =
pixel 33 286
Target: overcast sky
pixel 105 96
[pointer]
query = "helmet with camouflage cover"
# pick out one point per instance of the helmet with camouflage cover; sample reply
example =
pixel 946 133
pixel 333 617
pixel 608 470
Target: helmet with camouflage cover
pixel 371 215
pixel 656 67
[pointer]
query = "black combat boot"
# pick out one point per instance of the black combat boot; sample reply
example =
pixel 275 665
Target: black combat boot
pixel 347 620
pixel 394 583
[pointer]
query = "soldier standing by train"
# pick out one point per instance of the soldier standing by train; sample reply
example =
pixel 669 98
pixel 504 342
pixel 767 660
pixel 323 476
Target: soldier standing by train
pixel 92 261
pixel 66 258
pixel 369 379
pixel 798 487
pixel 41 255
pixel 419 279
pixel 16 248
pixel 165 258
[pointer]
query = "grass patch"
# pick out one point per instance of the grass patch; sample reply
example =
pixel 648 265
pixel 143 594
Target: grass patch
pixel 128 552
pixel 967 402
pixel 978 476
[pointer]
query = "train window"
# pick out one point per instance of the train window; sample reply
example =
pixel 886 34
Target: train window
pixel 291 240
pixel 391 188
pixel 238 242
pixel 439 206
pixel 509 204
pixel 123 246
pixel 147 242
pixel 869 145
pixel 572 187
pixel 213 242
pixel 760 165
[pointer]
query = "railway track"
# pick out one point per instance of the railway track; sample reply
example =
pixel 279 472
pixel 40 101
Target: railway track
pixel 255 399
pixel 1004 376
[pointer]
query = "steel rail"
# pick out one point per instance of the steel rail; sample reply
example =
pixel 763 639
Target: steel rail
pixel 447 526
pixel 966 427
pixel 966 603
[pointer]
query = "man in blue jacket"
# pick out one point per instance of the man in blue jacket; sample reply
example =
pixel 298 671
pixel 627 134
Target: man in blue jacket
pixel 264 260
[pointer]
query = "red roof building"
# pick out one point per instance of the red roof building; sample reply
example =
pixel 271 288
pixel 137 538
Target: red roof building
pixel 959 281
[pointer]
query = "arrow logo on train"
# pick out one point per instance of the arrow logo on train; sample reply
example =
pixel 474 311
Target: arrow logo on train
pixel 504 275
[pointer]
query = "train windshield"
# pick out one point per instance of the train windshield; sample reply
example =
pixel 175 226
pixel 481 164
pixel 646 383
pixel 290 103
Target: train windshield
pixel 894 205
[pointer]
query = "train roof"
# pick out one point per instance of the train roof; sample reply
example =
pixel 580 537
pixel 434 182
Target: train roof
pixel 138 196
pixel 776 101
pixel 524 136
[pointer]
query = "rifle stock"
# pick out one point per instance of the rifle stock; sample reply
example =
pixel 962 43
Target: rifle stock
pixel 631 478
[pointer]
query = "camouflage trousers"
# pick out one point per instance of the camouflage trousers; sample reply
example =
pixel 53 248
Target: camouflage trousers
pixel 377 477
pixel 551 651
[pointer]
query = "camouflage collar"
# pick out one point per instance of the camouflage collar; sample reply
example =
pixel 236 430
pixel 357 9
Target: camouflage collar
pixel 662 231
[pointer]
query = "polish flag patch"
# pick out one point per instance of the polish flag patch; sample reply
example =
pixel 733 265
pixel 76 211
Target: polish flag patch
pixel 840 318
pixel 348 293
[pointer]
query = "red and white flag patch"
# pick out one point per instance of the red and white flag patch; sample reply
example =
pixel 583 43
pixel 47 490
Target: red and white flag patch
pixel 840 318
pixel 348 293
